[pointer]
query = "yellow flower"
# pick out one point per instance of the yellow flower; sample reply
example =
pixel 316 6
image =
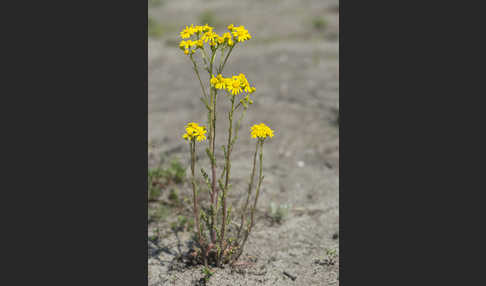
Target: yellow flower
pixel 198 29
pixel 201 137
pixel 261 131
pixel 227 35
pixel 207 28
pixel 213 81
pixel 245 84
pixel 227 82
pixel 228 39
pixel 194 131
pixel 185 44
pixel 241 33
pixel 230 27
pixel 220 40
pixel 209 36
pixel 199 43
pixel 187 32
pixel 218 82
pixel 234 85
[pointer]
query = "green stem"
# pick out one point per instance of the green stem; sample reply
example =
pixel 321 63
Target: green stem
pixel 226 183
pixel 250 187
pixel 238 125
pixel 260 180
pixel 221 59
pixel 204 56
pixel 252 211
pixel 198 77
pixel 213 195
pixel 197 225
pixel 226 59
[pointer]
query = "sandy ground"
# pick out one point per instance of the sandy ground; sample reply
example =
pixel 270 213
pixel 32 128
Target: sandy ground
pixel 292 60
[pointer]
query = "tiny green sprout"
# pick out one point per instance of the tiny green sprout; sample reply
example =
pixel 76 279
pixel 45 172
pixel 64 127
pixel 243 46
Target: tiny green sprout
pixel 153 238
pixel 206 271
pixel 277 214
pixel 177 171
pixel 330 257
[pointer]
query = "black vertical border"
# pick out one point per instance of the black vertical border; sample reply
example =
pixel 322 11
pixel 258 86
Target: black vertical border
pixel 410 151
pixel 75 146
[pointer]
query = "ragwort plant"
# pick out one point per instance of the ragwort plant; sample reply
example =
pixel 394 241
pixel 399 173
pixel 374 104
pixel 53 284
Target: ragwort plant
pixel 217 244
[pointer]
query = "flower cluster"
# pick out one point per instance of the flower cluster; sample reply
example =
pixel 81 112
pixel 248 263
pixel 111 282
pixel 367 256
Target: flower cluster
pixel 234 85
pixel 188 31
pixel 261 131
pixel 240 33
pixel 194 131
pixel 205 34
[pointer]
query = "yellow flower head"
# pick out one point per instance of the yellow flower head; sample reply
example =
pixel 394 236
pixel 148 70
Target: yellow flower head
pixel 210 36
pixel 187 32
pixel 207 28
pixel 233 85
pixel 245 84
pixel 220 40
pixel 199 43
pixel 198 29
pixel 218 82
pixel 241 33
pixel 186 45
pixel 242 77
pixel 261 131
pixel 230 27
pixel 194 131
pixel 227 35
pixel 228 39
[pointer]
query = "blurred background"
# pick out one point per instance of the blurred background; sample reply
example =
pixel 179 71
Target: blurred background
pixel 293 61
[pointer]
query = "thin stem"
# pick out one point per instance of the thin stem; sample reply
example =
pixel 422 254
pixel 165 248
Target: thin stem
pixel 225 59
pixel 214 196
pixel 205 58
pixel 252 211
pixel 250 187
pixel 238 125
pixel 226 183
pixel 197 226
pixel 221 58
pixel 193 181
pixel 198 77
pixel 204 55
pixel 260 180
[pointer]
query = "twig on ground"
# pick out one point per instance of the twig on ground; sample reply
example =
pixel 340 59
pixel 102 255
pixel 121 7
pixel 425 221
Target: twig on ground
pixel 290 275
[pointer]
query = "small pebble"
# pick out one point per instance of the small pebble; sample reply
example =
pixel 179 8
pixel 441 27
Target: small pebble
pixel 300 164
